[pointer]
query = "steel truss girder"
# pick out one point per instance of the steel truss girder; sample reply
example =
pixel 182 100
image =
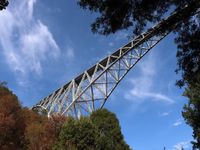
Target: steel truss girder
pixel 91 89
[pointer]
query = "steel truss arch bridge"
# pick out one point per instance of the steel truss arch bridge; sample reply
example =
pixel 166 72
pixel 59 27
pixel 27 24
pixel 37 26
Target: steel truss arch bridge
pixel 91 89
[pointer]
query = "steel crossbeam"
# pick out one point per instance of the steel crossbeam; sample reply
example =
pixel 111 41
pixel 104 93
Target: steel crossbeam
pixel 91 89
pixel 83 95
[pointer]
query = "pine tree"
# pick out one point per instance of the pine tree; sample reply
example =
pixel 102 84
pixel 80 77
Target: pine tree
pixel 191 111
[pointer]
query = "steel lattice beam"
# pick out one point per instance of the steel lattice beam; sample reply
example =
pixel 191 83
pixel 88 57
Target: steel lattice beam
pixel 90 90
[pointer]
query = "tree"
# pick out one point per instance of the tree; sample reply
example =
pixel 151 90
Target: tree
pixel 188 54
pixel 57 121
pixel 11 122
pixel 109 131
pixel 22 128
pixel 40 135
pixel 99 131
pixel 191 111
pixel 3 4
pixel 41 132
pixel 77 135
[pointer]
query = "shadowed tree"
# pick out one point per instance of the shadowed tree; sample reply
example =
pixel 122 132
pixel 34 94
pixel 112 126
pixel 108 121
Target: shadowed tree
pixel 191 111
pixel 3 4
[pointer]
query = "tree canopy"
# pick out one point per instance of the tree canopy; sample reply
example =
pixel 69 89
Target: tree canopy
pixel 191 111
pixel 3 4
pixel 11 124
pixel 109 131
pixel 22 128
pixel 137 15
pixel 99 131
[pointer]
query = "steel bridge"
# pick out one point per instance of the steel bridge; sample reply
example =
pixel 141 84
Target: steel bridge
pixel 91 89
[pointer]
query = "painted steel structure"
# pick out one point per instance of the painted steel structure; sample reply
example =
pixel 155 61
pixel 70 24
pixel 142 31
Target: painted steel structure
pixel 91 89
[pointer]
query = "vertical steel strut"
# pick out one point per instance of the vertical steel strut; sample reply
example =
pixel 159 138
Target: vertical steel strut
pixel 91 89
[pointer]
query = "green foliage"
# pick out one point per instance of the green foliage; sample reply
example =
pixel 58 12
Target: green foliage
pixel 109 131
pixel 100 131
pixel 191 111
pixel 79 134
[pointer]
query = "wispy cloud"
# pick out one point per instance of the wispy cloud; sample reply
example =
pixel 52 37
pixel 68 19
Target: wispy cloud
pixel 26 42
pixel 178 122
pixel 70 52
pixel 181 145
pixel 144 84
pixel 165 114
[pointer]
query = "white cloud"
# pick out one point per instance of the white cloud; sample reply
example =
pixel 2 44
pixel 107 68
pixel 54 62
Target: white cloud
pixel 70 52
pixel 144 84
pixel 165 114
pixel 26 42
pixel 30 7
pixel 36 46
pixel 181 145
pixel 177 123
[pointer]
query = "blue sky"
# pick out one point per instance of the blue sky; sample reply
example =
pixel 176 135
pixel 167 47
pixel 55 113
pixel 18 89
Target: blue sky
pixel 44 44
